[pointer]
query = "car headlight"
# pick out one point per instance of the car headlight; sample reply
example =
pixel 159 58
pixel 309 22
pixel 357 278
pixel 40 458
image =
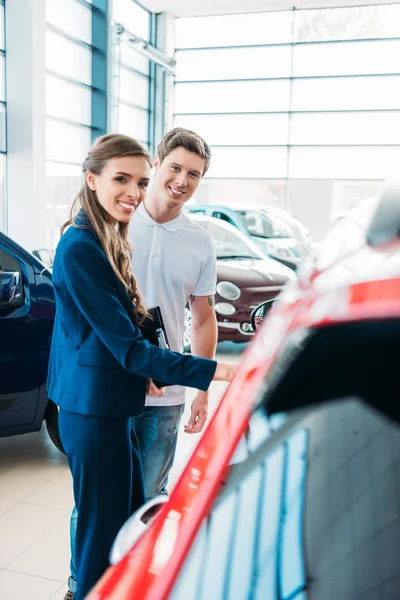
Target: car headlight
pixel 225 309
pixel 280 252
pixel 228 290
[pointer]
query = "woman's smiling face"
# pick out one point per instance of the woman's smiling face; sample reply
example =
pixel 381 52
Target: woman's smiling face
pixel 121 186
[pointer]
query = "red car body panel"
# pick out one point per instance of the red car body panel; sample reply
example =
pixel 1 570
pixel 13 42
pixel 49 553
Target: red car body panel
pixel 150 568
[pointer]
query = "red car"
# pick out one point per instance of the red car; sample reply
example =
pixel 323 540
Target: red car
pixel 293 491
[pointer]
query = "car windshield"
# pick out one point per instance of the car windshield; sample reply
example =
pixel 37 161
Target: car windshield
pixel 229 244
pixel 262 226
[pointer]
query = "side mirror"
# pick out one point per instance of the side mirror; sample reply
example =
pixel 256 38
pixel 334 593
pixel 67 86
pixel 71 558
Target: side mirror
pixel 131 531
pixel 10 295
pixel 259 313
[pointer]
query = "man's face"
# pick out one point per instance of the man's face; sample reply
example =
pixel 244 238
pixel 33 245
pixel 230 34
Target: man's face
pixel 177 177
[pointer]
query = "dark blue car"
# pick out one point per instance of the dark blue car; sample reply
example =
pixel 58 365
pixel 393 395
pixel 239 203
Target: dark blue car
pixel 27 308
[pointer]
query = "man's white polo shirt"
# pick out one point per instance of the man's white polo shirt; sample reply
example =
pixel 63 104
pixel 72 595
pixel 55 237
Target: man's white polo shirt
pixel 171 262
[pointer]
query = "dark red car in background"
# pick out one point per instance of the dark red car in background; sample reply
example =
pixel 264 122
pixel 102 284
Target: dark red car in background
pixel 245 277
pixel 293 491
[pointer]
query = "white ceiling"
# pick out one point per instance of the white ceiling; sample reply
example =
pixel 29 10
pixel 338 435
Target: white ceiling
pixel 191 8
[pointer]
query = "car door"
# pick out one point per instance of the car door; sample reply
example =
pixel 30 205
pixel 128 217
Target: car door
pixel 310 509
pixel 308 512
pixel 241 549
pixel 19 354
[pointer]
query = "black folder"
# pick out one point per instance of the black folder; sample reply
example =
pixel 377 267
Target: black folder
pixel 153 330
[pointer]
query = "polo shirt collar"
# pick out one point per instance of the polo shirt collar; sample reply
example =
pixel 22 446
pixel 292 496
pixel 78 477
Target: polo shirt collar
pixel 173 225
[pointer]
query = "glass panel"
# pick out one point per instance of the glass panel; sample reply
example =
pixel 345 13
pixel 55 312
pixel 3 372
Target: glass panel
pixel 134 59
pixel 133 121
pixel 292 572
pixel 239 129
pixel 259 224
pixel 266 585
pixel 2 47
pixel 2 128
pixel 61 192
pixel 63 183
pixel 229 243
pixel 260 163
pixel 68 101
pixel 54 169
pixel 190 577
pixel 242 569
pixel 232 96
pixel 68 58
pixel 344 163
pixel 347 58
pixel 2 79
pixel 345 128
pixel 135 18
pixel 3 199
pixel 351 23
pixel 67 143
pixel 74 18
pixel 234 30
pixel 235 63
pixel 216 561
pixel 346 93
pixel 134 88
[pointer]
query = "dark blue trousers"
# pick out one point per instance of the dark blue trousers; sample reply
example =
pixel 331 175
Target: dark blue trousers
pixel 104 458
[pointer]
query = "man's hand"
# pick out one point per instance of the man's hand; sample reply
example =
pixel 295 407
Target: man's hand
pixel 198 415
pixel 153 390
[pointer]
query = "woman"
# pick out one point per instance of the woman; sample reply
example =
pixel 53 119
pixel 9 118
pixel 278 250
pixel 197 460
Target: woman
pixel 99 361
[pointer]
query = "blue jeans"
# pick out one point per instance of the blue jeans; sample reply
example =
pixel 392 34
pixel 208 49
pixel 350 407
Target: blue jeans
pixel 157 434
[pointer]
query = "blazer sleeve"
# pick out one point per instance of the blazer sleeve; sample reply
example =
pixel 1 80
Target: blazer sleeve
pixel 90 281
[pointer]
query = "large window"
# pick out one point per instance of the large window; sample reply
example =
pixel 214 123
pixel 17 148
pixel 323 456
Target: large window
pixel 75 94
pixel 2 121
pixel 133 73
pixel 303 94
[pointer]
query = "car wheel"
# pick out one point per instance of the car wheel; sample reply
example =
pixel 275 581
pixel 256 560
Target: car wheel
pixel 51 417
pixel 187 335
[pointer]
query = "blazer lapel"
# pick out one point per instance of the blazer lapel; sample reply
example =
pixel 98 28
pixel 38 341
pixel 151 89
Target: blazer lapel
pixel 82 220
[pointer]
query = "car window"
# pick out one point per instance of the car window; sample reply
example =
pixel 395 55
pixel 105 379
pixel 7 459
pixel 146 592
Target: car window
pixel 224 217
pixel 10 264
pixel 313 508
pixel 227 243
pixel 45 255
pixel 295 226
pixel 237 553
pixel 260 225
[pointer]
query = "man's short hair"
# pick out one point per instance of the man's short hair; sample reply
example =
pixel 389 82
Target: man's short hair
pixel 184 138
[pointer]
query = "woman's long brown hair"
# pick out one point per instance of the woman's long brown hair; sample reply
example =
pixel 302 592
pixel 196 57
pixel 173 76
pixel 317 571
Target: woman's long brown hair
pixel 113 238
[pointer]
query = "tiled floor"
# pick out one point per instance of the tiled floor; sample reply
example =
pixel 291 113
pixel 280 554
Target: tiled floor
pixel 35 505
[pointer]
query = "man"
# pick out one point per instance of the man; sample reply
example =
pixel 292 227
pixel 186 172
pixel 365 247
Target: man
pixel 174 263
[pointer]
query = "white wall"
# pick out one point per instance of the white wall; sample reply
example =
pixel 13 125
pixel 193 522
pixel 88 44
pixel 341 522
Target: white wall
pixel 25 65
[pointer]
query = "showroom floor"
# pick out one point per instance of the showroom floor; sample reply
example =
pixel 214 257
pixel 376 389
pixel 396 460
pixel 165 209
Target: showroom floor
pixel 35 505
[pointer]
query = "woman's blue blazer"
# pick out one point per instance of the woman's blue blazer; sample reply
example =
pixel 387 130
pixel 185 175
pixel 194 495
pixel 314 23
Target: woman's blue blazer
pixel 99 360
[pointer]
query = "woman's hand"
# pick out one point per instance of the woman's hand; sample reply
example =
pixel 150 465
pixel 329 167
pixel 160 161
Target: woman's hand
pixel 153 390
pixel 224 372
